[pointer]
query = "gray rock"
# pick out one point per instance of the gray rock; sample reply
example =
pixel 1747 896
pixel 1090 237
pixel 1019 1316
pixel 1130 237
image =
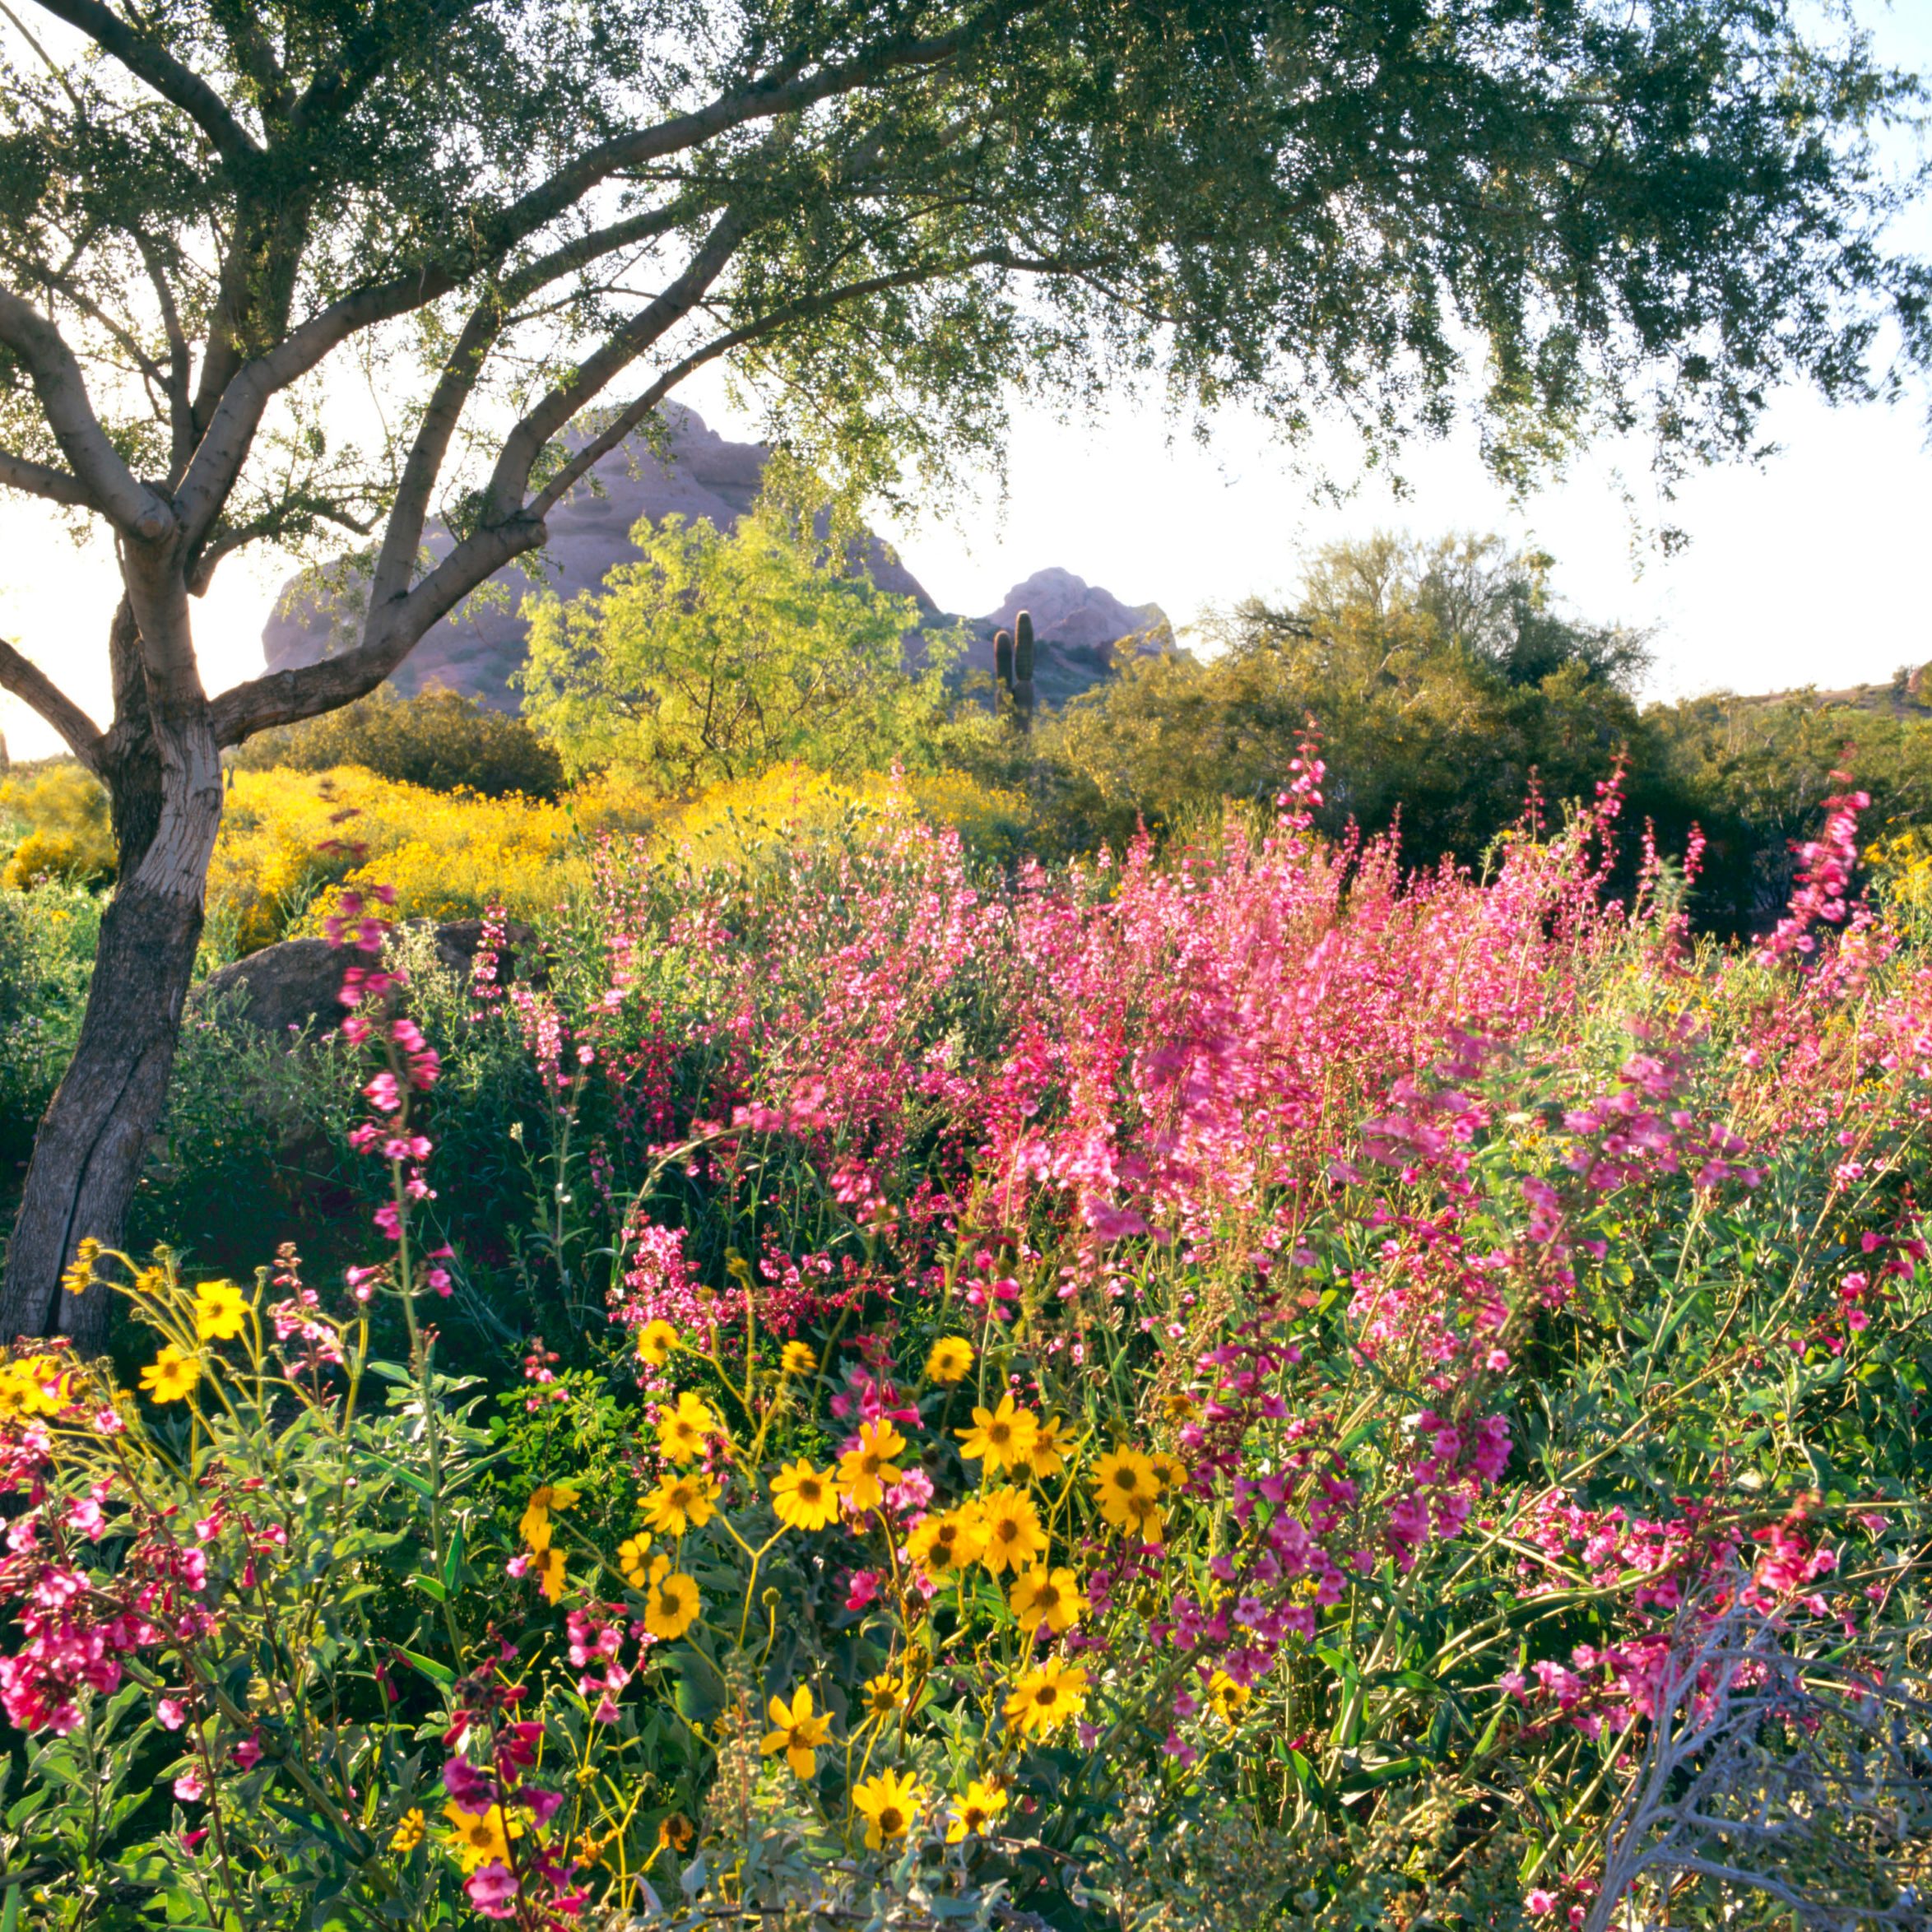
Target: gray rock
pixel 296 983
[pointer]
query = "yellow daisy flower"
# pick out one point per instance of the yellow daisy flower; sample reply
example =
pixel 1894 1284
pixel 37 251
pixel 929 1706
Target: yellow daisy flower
pixel 868 1471
pixel 797 1358
pixel 948 1359
pixel 797 1731
pixel 1048 1457
pixel 1121 1481
pixel 550 1573
pixel 685 1429
pixel 409 1830
pixel 1002 1439
pixel 672 1606
pixel 1044 1699
pixel 805 1498
pixel 220 1310
pixel 536 1525
pixel 630 1559
pixel 170 1377
pixel 889 1804
pixel 480 1837
pixel 882 1696
pixel 944 1545
pixel 1227 1699
pixel 656 1339
pixel 972 1814
pixel 1014 1536
pixel 680 1502
pixel 1049 1597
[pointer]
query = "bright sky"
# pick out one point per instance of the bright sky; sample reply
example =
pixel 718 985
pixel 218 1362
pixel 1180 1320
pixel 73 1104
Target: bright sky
pixel 1808 568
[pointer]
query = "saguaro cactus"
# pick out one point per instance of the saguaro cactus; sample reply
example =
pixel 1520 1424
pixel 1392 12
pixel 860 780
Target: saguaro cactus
pixel 1003 659
pixel 1022 669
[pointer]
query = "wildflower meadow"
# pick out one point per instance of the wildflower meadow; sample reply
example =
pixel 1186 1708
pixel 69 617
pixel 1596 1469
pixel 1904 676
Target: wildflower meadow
pixel 1224 1387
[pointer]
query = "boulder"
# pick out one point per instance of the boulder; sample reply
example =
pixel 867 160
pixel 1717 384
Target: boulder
pixel 296 984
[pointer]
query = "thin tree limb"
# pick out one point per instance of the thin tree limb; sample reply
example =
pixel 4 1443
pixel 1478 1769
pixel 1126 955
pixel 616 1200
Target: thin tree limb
pixel 33 687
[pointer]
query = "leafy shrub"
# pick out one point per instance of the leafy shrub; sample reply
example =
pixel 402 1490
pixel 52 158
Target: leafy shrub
pixel 47 938
pixel 440 740
pixel 53 825
pixel 1223 1393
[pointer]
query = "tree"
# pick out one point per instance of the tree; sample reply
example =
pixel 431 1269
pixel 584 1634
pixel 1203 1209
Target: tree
pixel 215 218
pixel 1445 681
pixel 717 655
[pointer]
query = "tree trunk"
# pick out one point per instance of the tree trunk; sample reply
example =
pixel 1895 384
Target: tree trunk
pixel 165 776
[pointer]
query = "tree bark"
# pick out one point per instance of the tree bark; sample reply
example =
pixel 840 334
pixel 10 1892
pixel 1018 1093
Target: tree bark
pixel 164 775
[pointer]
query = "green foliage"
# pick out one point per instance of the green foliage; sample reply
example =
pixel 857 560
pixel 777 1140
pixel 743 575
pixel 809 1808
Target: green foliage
pixel 46 957
pixel 53 825
pixel 438 739
pixel 718 656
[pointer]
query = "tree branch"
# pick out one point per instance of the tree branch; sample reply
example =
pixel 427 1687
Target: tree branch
pixel 168 78
pixel 18 472
pixel 112 487
pixel 30 683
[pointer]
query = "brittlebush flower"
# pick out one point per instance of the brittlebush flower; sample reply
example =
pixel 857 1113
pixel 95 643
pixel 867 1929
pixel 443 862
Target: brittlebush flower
pixel 948 1359
pixel 220 1310
pixel 805 1498
pixel 409 1831
pixel 797 1358
pixel 1122 1481
pixel 1051 1597
pixel 681 1502
pixel 944 1545
pixel 631 1554
pixel 889 1803
pixel 480 1837
pixel 36 1385
pixel 868 1471
pixel 170 1377
pixel 1170 1472
pixel 797 1730
pixel 550 1573
pixel 1227 1699
pixel 972 1814
pixel 544 1499
pixel 77 1278
pixel 1014 1536
pixel 1048 1457
pixel 685 1429
pixel 1044 1699
pixel 882 1696
pixel 656 1339
pixel 1002 1439
pixel 671 1607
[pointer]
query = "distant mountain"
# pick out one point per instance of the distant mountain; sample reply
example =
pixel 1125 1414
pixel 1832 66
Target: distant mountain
pixel 701 475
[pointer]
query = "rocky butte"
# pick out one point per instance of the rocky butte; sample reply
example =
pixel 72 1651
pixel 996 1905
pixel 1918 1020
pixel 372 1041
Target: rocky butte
pixel 1078 627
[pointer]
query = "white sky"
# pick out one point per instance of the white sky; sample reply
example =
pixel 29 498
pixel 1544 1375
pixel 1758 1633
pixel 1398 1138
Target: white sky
pixel 1809 568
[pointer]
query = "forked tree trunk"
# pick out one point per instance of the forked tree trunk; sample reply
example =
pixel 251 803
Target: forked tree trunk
pixel 165 781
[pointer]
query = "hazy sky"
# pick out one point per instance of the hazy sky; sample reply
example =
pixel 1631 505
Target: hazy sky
pixel 1810 568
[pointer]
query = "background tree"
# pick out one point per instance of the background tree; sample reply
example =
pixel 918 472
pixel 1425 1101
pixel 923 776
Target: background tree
pixel 716 655
pixel 214 218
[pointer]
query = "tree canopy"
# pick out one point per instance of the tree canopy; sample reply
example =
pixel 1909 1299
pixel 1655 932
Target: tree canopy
pixel 720 653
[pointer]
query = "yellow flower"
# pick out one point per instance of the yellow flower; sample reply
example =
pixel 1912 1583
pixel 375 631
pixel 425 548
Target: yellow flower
pixel 682 1502
pixel 171 1374
pixel 1229 1698
pixel 36 1385
pixel 973 1814
pixel 480 1837
pixel 683 1431
pixel 220 1310
pixel 889 1803
pixel 672 1606
pixel 1014 1536
pixel 78 1277
pixel 883 1695
pixel 797 1358
pixel 409 1831
pixel 550 1573
pixel 536 1525
pixel 1146 1517
pixel 1002 1437
pixel 805 1498
pixel 949 1359
pixel 1169 1471
pixel 1049 1597
pixel 1121 1480
pixel 797 1731
pixel 868 1471
pixel 1044 1699
pixel 1048 1457
pixel 656 1339
pixel 1177 1406
pixel 944 1545
pixel 630 1559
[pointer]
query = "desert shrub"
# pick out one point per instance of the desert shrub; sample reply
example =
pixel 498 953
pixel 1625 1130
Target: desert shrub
pixel 47 940
pixel 53 825
pixel 437 739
